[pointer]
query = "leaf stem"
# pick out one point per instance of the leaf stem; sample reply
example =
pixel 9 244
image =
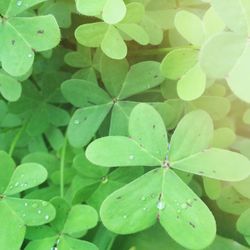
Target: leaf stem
pixel 16 139
pixel 62 165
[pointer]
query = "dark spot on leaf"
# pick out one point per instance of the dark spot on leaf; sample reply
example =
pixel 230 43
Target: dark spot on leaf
pixel 195 199
pixel 191 224
pixel 40 32
pixel 189 204
pixel 13 42
pixel 214 171
pixel 118 197
pixel 155 76
pixel 201 172
pixel 154 126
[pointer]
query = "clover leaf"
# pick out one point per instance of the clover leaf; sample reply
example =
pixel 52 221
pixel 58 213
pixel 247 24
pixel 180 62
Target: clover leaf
pixel 95 103
pixel 138 204
pixel 23 36
pixel 70 224
pixel 17 213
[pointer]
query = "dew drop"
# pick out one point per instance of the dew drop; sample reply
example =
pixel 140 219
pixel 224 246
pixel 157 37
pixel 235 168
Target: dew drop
pixel 25 204
pixel 161 205
pixel 125 216
pixel 144 208
pixel 19 3
pixel 131 157
pixel 30 55
pixel 39 211
pixel 44 203
pixel 16 184
pixel 178 211
pixel 76 122
pixel 24 215
pixel 143 198
pixel 184 205
pixel 46 217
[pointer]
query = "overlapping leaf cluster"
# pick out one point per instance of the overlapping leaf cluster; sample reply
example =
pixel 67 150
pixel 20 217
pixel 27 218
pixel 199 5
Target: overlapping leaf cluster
pixel 124 124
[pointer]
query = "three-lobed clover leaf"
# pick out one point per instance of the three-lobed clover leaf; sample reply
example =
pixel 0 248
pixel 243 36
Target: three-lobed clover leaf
pixel 70 224
pixel 93 184
pixel 95 104
pixel 17 213
pixel 160 193
pixel 22 36
pixel 109 35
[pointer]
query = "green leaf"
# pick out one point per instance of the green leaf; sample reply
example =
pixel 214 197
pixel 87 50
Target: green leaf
pixel 224 243
pixel 212 23
pixel 80 218
pixel 236 17
pixel 192 85
pixel 216 106
pixel 10 88
pixel 195 129
pixel 82 93
pixel 7 166
pixel 10 8
pixel 243 223
pixel 147 128
pixel 95 31
pixel 135 13
pixel 114 11
pixel 133 207
pixel 85 122
pixel 239 78
pixel 216 163
pixel 113 151
pixel 135 31
pixel 120 118
pixel 12 229
pixel 232 202
pixel 190 27
pixel 41 244
pixel 113 45
pixel 32 212
pixel 212 188
pixel 183 215
pixel 220 53
pixel 141 76
pixel 113 74
pixel 25 176
pixel 111 182
pixel 223 138
pixel 68 243
pixel 90 8
pixel 21 36
pixel 156 198
pixel 178 62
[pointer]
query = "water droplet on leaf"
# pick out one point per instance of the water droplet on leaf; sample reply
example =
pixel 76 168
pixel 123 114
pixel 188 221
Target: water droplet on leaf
pixel 161 205
pixel 76 122
pixel 19 3
pixel 131 157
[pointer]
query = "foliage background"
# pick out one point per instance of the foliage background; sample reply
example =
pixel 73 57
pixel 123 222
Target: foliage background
pixel 73 71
